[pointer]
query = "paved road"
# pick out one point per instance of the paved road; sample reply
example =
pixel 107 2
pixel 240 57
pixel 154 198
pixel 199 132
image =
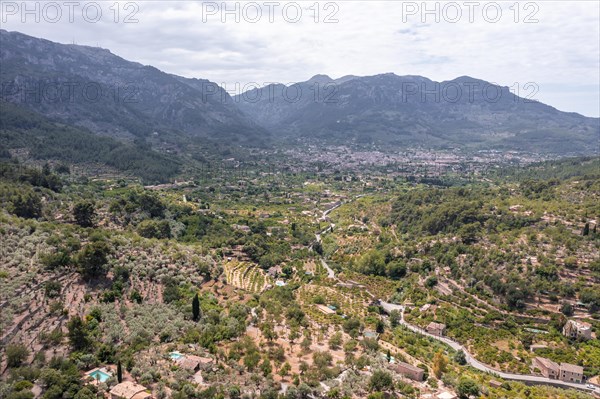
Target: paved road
pixel 328 211
pixel 526 378
pixel 388 307
pixel 330 272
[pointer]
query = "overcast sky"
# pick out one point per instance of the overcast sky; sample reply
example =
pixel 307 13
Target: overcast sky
pixel 554 44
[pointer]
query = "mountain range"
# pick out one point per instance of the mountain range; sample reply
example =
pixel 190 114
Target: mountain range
pixel 92 91
pixel 408 111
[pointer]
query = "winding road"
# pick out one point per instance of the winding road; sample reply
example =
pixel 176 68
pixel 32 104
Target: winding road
pixel 330 272
pixel 526 378
pixel 388 307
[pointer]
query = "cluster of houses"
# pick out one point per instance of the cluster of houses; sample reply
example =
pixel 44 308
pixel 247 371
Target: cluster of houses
pixel 133 390
pixel 564 371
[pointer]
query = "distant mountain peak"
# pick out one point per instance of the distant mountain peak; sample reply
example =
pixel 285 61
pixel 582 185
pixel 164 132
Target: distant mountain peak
pixel 320 79
pixel 466 78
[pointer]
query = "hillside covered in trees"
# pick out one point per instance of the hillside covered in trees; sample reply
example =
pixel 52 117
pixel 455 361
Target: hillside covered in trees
pixel 278 281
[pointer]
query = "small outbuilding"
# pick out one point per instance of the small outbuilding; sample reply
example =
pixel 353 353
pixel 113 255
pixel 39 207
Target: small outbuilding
pixel 436 328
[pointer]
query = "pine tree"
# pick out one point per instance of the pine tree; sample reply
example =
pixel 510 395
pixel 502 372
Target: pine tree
pixel 586 229
pixel 84 213
pixel 119 372
pixel 389 356
pixel 380 327
pixel 78 334
pixel 196 308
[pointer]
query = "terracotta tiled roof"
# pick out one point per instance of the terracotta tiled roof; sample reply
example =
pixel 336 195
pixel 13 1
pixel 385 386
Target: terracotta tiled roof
pixel 129 390
pixel 571 368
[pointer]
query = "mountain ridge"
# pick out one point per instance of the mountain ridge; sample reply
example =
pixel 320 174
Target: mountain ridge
pixel 140 102
pixel 132 100
pixel 402 111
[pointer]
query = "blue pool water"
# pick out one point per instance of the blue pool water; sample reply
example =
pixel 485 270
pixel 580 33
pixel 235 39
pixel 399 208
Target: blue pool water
pixel 99 376
pixel 175 355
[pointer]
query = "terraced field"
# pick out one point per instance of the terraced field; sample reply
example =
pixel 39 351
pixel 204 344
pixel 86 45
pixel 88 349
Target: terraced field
pixel 246 276
pixel 349 303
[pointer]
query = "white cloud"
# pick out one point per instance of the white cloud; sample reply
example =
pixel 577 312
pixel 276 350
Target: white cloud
pixel 561 52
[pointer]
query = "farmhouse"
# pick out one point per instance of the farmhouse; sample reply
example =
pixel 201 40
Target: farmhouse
pixel 564 372
pixel 571 373
pixel 189 363
pixel 274 271
pixel 495 384
pixel 410 371
pixel 129 390
pixel 425 307
pixel 194 363
pixel 436 328
pixel 547 367
pixel 577 329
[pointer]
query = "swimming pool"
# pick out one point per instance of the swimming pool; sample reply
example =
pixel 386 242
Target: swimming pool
pixel 99 375
pixel 175 355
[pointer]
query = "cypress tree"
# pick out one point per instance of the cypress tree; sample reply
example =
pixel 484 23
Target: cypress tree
pixel 586 229
pixel 119 372
pixel 196 308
